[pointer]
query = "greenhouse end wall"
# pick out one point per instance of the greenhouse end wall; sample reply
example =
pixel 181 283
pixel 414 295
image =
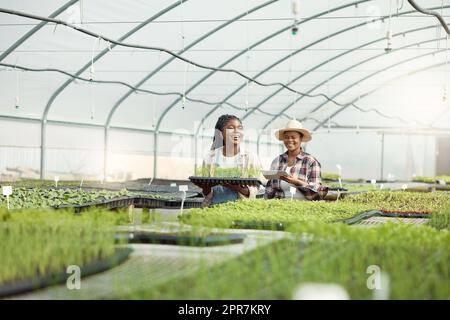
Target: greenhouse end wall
pixel 78 153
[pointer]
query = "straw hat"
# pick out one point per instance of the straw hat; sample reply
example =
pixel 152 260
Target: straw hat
pixel 294 125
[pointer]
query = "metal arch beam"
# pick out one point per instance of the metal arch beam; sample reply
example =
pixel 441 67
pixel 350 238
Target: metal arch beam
pixel 85 67
pixel 166 110
pixel 389 81
pixel 345 70
pixel 298 51
pixel 16 44
pixel 250 47
pixel 105 51
pixel 271 66
pixel 192 44
pixel 386 82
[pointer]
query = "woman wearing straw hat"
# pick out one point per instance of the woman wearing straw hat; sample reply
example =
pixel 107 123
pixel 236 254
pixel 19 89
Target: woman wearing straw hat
pixel 302 169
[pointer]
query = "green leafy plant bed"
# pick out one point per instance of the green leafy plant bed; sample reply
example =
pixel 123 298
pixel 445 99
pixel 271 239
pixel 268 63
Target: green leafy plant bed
pixel 415 260
pixel 441 219
pixel 185 238
pixel 36 244
pixel 269 213
pixel 434 179
pixel 22 286
pixel 79 198
pixel 41 197
pixel 397 201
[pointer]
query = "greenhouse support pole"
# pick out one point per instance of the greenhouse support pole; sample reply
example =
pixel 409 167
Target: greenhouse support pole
pixel 43 142
pixel 382 156
pixel 105 151
pixel 155 153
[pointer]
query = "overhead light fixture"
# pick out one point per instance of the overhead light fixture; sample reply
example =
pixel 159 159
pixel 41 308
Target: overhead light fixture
pixel 295 11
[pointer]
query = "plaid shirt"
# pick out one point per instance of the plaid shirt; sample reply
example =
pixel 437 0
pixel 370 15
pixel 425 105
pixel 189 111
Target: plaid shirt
pixel 306 168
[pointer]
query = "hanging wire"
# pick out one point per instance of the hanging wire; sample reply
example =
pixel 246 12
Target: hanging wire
pixel 92 77
pixel 389 30
pixel 438 29
pixel 179 94
pixel 247 61
pixel 446 74
pixel 296 13
pixel 431 13
pixel 183 99
pixel 81 11
pixel 177 56
pixel 92 68
pixel 399 7
pixel 93 100
pixel 17 100
pixel 291 50
pixel 350 17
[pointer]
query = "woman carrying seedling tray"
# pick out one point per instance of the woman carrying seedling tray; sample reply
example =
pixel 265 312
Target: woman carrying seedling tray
pixel 228 159
pixel 295 168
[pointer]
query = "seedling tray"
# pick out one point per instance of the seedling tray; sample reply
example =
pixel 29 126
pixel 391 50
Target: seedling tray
pixel 223 180
pixel 188 203
pixel 181 238
pixel 30 284
pixel 144 202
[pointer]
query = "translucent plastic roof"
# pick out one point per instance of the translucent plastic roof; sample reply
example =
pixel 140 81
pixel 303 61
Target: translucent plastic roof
pixel 339 51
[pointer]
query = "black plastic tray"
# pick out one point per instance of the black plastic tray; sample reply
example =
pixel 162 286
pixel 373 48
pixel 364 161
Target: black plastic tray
pixel 181 238
pixel 188 203
pixel 219 180
pixel 30 284
pixel 377 213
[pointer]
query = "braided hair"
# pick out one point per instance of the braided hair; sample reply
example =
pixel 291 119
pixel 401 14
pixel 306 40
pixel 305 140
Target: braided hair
pixel 218 140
